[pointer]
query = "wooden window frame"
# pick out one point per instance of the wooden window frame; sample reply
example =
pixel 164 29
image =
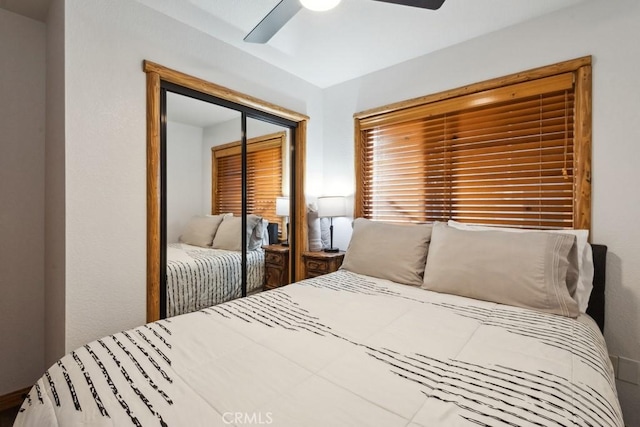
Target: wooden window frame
pixel 505 86
pixel 260 143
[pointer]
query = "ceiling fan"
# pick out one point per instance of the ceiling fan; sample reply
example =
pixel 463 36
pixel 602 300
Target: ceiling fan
pixel 286 9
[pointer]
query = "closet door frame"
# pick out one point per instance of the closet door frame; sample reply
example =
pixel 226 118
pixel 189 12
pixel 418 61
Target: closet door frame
pixel 160 79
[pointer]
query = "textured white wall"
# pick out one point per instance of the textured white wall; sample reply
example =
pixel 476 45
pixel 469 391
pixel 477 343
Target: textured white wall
pixel 22 136
pixel 608 31
pixel 184 177
pixel 54 242
pixel 106 41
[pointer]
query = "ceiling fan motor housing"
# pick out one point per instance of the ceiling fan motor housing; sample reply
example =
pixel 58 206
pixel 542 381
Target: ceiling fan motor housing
pixel 286 9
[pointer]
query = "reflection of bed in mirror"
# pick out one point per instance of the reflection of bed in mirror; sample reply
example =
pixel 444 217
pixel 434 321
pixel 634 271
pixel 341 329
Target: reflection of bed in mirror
pixel 205 267
pixel 194 170
pixel 199 277
pixel 205 173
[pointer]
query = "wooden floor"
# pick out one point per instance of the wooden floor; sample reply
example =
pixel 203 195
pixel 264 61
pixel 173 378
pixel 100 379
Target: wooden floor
pixel 7 417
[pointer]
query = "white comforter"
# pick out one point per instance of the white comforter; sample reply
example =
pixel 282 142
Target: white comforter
pixel 199 277
pixel 337 350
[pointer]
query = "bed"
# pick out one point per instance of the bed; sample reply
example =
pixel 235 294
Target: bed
pixel 346 349
pixel 205 267
pixel 200 277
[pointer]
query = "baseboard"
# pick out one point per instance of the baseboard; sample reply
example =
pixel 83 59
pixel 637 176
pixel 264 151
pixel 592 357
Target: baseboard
pixel 13 399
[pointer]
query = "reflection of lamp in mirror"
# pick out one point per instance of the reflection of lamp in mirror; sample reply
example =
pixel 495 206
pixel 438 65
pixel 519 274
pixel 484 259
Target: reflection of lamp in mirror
pixel 331 207
pixel 282 209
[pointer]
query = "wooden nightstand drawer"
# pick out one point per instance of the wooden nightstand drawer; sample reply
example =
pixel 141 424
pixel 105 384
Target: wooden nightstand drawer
pixel 319 263
pixel 273 278
pixel 274 257
pixel 317 266
pixel 276 266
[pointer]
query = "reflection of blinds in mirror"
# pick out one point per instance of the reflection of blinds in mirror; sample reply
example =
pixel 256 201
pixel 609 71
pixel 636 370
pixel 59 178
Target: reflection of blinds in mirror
pixel 503 156
pixel 264 177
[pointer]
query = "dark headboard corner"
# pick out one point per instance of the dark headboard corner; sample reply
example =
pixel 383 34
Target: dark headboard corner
pixel 596 301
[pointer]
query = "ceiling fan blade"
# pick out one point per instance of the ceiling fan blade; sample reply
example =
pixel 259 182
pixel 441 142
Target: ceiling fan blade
pixel 424 4
pixel 271 24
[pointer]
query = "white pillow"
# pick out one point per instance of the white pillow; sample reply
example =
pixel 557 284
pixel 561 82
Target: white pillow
pixel 325 233
pixel 585 257
pixel 229 234
pixel 319 234
pixel 388 251
pixel 531 270
pixel 265 233
pixel 201 229
pixel 258 234
pixel 313 223
pixel 222 215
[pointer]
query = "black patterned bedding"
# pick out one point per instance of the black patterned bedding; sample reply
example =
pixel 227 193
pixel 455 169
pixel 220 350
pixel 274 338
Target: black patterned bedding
pixel 199 277
pixel 338 350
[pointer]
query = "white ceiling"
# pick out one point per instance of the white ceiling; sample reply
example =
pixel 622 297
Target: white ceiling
pixel 197 113
pixel 327 48
pixel 354 39
pixel 358 36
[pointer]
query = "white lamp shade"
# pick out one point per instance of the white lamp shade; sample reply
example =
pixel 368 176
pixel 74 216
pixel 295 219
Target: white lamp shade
pixel 320 5
pixel 282 206
pixel 331 206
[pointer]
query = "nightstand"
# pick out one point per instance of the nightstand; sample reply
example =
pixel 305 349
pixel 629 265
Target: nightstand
pixel 319 263
pixel 276 266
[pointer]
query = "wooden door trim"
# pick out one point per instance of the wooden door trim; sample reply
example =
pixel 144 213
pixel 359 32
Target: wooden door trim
pixel 155 75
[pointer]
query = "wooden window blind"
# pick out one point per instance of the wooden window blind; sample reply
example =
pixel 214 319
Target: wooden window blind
pixel 264 177
pixel 507 155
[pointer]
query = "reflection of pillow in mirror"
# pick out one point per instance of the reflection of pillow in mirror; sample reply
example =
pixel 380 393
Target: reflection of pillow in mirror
pixel 201 229
pixel 228 236
pixel 258 234
pixel 265 233
pixel 223 215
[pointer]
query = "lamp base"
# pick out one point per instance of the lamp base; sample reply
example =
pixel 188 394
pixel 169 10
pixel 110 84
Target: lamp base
pixel 332 250
pixel 285 243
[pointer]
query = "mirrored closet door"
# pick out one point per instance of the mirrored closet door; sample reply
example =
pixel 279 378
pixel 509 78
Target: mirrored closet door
pixel 226 189
pixel 200 272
